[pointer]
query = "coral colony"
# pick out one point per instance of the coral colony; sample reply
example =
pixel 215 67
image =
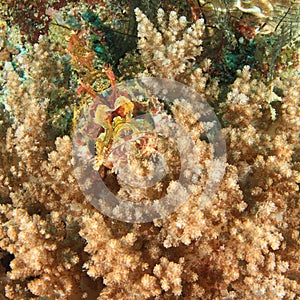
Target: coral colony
pixel 150 149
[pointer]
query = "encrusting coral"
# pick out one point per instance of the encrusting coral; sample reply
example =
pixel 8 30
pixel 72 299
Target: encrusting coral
pixel 243 244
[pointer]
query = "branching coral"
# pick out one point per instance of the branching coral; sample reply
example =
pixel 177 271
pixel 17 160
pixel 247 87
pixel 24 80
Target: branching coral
pixel 35 181
pixel 170 51
pixel 242 244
